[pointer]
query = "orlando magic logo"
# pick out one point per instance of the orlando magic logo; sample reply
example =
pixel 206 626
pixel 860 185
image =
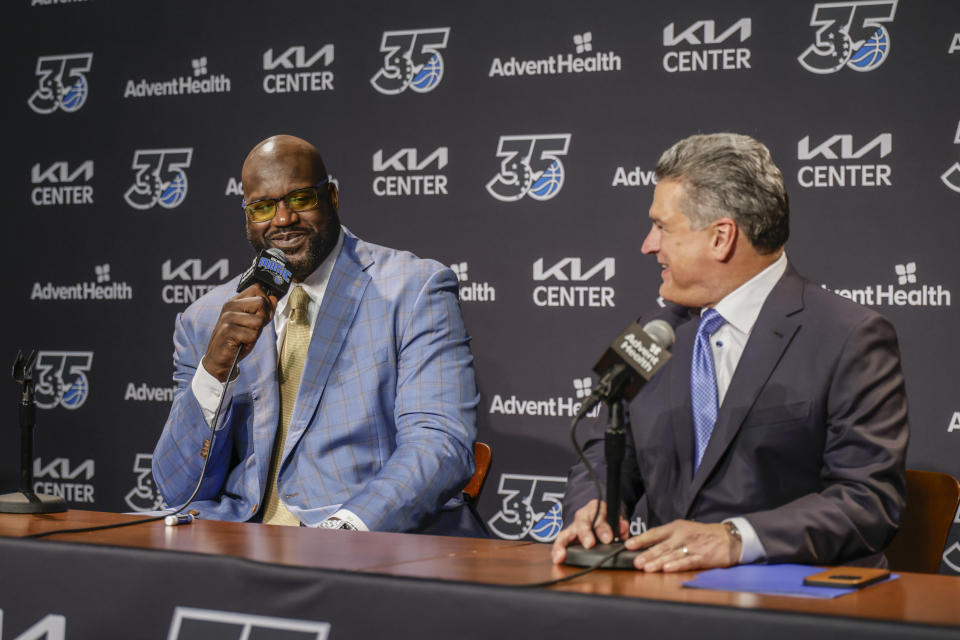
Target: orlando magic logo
pixel 160 178
pixel 850 34
pixel 531 165
pixel 62 379
pixel 412 59
pixel 281 275
pixel 63 84
pixel 530 507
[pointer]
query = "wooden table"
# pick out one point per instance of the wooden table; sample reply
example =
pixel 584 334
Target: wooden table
pixel 915 599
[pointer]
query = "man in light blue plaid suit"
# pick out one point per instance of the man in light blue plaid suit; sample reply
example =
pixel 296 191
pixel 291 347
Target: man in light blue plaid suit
pixel 381 436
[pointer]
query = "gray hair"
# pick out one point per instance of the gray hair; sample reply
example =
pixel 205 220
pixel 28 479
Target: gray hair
pixel 730 175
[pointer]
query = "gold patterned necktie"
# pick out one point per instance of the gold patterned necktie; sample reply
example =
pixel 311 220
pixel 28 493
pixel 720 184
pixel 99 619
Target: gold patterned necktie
pixel 293 354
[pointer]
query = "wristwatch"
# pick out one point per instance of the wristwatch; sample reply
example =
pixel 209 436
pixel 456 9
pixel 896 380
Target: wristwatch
pixel 732 530
pixel 336 523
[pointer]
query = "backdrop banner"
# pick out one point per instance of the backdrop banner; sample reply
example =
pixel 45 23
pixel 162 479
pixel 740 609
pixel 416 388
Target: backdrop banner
pixel 513 141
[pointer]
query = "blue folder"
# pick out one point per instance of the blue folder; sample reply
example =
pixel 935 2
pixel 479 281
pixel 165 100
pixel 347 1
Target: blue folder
pixel 770 579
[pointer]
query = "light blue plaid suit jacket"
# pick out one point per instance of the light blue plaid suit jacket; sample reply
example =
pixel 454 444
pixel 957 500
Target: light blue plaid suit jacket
pixel 385 418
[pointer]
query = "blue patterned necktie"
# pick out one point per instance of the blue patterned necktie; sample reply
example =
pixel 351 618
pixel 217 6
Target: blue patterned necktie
pixel 703 383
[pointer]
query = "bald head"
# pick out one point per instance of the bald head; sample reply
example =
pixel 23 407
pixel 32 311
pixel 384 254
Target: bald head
pixel 282 155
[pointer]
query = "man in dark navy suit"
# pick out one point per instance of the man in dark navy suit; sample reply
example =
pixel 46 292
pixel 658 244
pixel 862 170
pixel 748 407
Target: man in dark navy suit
pixel 778 430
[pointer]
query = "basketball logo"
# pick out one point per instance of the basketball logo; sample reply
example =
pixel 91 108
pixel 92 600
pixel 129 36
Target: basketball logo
pixel 549 182
pixel 411 60
pixel 75 394
pixel 531 165
pixel 62 83
pixel 160 178
pixel 530 506
pixel 547 528
pixel 75 96
pixel 61 379
pixel 849 34
pixel 873 52
pixel 429 77
pixel 175 191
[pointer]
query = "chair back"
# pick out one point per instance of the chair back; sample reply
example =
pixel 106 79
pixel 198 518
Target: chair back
pixel 481 457
pixel 932 500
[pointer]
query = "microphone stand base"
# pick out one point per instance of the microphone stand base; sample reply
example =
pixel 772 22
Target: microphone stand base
pixel 577 556
pixel 30 502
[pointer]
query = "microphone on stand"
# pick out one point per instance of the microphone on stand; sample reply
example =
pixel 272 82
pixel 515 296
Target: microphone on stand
pixel 27 500
pixel 271 270
pixel 630 362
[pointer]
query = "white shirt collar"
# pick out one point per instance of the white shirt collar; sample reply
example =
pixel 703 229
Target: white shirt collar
pixel 741 307
pixel 315 284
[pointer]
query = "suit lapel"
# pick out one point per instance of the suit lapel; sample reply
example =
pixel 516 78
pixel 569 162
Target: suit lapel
pixel 771 334
pixel 348 281
pixel 680 397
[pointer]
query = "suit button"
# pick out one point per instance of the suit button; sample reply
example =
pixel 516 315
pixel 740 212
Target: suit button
pixel 254 510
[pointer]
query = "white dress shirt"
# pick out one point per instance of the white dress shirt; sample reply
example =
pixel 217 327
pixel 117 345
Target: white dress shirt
pixel 740 308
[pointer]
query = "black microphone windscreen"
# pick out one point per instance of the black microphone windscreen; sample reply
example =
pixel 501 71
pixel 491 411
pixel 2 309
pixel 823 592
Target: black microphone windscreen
pixel 644 350
pixel 278 255
pixel 271 270
pixel 662 332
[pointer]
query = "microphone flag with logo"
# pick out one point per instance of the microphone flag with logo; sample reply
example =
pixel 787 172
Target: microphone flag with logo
pixel 633 359
pixel 271 270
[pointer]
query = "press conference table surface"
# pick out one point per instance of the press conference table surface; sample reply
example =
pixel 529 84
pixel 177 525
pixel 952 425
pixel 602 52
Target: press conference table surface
pixel 914 598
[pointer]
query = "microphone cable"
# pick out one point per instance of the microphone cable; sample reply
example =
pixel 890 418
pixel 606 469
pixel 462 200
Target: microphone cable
pixel 596 514
pixel 196 490
pixel 270 269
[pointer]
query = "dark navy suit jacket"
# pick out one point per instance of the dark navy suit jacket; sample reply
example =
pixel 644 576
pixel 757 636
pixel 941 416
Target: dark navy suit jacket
pixel 810 440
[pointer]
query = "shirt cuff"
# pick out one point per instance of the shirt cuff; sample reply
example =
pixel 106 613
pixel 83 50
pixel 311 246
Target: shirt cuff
pixel 751 549
pixel 351 518
pixel 207 390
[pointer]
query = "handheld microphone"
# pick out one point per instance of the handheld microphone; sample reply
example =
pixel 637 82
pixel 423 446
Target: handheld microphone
pixel 271 270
